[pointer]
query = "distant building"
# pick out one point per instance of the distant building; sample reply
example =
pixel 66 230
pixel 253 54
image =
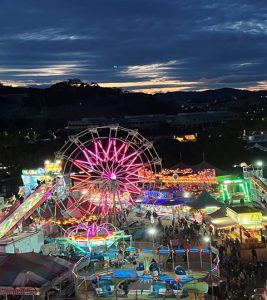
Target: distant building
pixel 205 118
pixel 154 121
pixel 255 137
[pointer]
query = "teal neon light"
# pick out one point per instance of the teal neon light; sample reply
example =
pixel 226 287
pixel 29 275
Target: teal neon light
pixel 247 189
pixel 222 191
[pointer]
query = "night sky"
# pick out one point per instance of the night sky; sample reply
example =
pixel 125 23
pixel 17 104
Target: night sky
pixel 147 45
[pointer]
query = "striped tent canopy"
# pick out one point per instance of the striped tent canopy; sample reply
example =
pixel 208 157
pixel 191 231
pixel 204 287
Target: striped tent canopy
pixel 31 270
pixel 203 165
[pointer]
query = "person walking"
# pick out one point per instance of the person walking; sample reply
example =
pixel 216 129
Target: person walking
pixel 125 288
pixel 254 253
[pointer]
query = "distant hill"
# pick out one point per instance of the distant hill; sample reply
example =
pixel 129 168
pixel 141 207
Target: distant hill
pixel 71 100
pixel 221 95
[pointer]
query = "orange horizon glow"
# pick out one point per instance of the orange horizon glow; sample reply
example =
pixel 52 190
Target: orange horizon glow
pixel 148 87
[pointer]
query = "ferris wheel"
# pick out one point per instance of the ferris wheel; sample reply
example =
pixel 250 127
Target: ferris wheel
pixel 105 168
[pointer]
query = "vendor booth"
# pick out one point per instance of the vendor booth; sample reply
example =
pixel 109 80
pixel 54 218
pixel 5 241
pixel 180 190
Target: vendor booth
pixel 242 222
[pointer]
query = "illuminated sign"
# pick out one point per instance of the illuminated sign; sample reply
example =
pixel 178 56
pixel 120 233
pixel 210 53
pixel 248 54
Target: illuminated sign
pixel 19 291
pixel 206 176
pixel 53 167
pixel 39 171
pixel 155 194
pixel 233 181
pixel 248 218
pixel 176 171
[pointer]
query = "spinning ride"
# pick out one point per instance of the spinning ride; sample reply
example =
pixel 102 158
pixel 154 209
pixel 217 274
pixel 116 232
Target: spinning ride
pixel 94 236
pixel 105 169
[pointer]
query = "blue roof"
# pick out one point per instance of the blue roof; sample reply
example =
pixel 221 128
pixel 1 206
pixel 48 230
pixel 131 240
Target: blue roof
pixel 165 201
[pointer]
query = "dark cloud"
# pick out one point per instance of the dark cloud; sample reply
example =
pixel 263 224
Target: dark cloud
pixel 140 44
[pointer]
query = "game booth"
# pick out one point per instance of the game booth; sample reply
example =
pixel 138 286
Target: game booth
pixel 243 223
pixel 234 190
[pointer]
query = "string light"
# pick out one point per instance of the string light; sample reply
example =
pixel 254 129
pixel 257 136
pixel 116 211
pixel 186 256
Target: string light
pixel 207 176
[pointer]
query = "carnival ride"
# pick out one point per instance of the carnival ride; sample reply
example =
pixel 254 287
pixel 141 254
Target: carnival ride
pixel 148 279
pixel 87 238
pixel 23 211
pixel 105 169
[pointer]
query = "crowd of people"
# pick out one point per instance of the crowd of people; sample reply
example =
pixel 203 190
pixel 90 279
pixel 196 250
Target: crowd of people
pixel 239 273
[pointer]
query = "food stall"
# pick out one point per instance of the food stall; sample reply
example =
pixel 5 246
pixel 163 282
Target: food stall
pixel 242 222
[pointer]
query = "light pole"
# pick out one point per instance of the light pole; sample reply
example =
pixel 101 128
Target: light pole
pixel 208 241
pixel 259 169
pixel 246 169
pixel 152 231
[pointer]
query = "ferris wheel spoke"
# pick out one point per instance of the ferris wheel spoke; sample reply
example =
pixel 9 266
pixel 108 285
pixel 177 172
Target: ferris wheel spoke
pixel 141 165
pixel 84 149
pixel 126 183
pixel 86 168
pixel 96 151
pixel 132 182
pixel 83 200
pixel 95 156
pixel 106 157
pixel 129 176
pixel 84 164
pixel 78 165
pixel 94 164
pixel 125 158
pixel 116 153
pixel 119 151
pixel 90 208
pixel 78 143
pixel 131 167
pixel 125 150
pixel 84 183
pixel 81 178
pixel 77 186
pixel 100 202
pixel 74 205
pixel 132 189
pixel 134 174
pixel 128 169
pixel 109 146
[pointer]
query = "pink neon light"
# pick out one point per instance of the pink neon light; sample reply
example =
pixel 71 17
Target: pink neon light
pixel 107 164
pixel 91 231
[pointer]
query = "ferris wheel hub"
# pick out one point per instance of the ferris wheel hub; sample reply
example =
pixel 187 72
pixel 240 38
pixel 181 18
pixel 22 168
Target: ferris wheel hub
pixel 113 176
